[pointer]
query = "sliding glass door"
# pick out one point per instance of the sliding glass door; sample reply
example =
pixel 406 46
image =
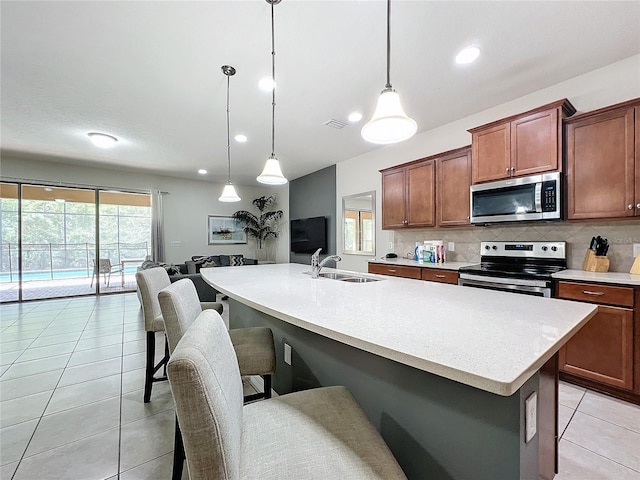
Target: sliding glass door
pixel 9 260
pixel 49 247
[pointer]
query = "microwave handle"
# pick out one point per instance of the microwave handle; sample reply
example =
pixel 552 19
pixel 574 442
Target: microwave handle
pixel 538 196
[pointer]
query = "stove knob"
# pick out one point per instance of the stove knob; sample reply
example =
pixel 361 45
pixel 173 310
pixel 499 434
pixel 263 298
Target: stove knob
pixel 555 249
pixel 494 247
pixel 487 247
pixel 545 248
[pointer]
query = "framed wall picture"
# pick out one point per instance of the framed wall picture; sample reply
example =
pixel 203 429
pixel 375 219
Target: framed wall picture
pixel 221 230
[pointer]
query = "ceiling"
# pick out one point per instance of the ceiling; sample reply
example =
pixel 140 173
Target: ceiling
pixel 148 72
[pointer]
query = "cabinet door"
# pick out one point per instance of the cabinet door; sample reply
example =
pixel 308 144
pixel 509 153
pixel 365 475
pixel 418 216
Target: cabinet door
pixel 454 179
pixel 421 197
pixel 534 143
pixel 600 166
pixel 393 198
pixel 602 350
pixel 637 159
pixel 490 153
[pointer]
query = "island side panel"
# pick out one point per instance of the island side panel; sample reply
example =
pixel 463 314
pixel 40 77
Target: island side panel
pixel 435 427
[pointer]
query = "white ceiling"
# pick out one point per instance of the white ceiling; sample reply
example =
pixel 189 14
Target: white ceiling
pixel 149 73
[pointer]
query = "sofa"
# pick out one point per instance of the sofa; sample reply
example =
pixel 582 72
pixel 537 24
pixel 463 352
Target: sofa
pixel 191 269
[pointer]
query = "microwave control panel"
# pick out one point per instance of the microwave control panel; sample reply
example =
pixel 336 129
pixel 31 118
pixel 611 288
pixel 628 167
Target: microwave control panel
pixel 549 195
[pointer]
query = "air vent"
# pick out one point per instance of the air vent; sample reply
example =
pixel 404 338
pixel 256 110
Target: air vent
pixel 333 123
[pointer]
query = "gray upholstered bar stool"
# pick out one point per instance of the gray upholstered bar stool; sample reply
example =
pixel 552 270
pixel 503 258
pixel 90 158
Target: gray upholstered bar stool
pixel 150 282
pixel 254 347
pixel 314 434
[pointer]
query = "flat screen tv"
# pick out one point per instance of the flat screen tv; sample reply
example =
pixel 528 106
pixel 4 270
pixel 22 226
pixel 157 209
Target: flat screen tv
pixel 308 235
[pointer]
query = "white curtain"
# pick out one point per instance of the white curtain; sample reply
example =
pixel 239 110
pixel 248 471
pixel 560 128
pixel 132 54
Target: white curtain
pixel 157 225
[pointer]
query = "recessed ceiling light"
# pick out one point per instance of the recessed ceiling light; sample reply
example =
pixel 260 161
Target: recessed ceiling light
pixel 202 171
pixel 467 55
pixel 355 117
pixel 102 140
pixel 240 138
pixel 267 84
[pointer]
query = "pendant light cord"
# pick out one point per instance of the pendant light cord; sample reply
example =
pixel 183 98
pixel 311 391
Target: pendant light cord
pixel 228 137
pixel 388 85
pixel 273 78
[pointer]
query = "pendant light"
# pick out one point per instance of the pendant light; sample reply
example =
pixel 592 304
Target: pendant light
pixel 228 192
pixel 272 174
pixel 389 123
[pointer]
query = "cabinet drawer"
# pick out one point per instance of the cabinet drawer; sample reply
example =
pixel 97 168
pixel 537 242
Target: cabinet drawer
pixel 596 293
pixel 395 270
pixel 442 276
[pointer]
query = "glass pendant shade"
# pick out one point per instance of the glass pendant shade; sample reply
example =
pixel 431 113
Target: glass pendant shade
pixel 389 123
pixel 229 194
pixel 272 174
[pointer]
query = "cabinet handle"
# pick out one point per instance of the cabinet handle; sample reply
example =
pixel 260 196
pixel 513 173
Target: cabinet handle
pixel 513 169
pixel 597 294
pixel 506 169
pixel 440 276
pixel 630 206
pixel 391 270
pixel 638 206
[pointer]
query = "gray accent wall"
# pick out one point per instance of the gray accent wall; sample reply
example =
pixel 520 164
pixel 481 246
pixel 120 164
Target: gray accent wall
pixel 314 195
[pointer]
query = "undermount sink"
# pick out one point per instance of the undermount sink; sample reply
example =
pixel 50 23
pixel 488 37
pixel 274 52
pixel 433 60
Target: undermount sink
pixel 346 277
pixel 335 275
pixel 360 279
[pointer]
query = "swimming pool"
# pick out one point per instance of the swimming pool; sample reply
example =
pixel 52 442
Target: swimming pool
pixel 5 277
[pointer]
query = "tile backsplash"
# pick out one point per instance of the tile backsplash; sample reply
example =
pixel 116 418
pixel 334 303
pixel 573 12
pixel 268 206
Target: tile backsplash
pixel 621 235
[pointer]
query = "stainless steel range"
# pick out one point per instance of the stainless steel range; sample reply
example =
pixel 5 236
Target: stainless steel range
pixel 519 267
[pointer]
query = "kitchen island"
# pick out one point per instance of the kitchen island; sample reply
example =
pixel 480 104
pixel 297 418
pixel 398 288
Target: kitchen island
pixel 442 371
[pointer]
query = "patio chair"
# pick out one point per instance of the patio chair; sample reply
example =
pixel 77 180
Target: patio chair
pixel 104 268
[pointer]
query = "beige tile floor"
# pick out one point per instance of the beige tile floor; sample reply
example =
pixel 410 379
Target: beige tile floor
pixel 71 401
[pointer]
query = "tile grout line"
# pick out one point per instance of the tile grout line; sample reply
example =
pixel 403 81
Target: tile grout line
pixel 602 456
pixel 48 401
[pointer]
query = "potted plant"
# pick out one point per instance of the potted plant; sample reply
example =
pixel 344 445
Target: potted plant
pixel 260 226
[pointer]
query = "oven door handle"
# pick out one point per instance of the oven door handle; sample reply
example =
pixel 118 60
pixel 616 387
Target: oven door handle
pixel 546 292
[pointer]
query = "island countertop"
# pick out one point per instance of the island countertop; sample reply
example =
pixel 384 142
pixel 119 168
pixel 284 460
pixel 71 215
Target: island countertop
pixel 490 340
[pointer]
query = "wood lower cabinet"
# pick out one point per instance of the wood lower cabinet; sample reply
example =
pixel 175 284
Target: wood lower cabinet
pixel 602 352
pixel 523 144
pixel 438 275
pixel 408 195
pixel 603 163
pixel 395 270
pixel 418 273
pixel 453 173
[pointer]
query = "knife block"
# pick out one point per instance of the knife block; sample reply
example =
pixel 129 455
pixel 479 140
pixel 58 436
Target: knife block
pixel 595 263
pixel 635 268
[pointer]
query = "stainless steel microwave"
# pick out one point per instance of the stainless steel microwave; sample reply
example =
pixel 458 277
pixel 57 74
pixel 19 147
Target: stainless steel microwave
pixel 537 197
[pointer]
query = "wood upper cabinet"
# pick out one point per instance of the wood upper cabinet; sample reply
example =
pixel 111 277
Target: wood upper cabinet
pixel 453 172
pixel 602 350
pixel 520 145
pixel 408 195
pixel 603 166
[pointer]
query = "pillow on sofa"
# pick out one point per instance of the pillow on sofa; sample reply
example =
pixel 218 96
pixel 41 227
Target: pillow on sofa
pixel 169 267
pixel 236 260
pixel 211 261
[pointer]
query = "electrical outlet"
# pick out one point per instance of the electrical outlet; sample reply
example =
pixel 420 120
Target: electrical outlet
pixel 636 249
pixel 287 354
pixel 531 417
pixel 451 247
pixel 390 245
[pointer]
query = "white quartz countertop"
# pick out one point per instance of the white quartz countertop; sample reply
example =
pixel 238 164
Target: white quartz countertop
pixel 618 278
pixel 490 340
pixel 413 263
